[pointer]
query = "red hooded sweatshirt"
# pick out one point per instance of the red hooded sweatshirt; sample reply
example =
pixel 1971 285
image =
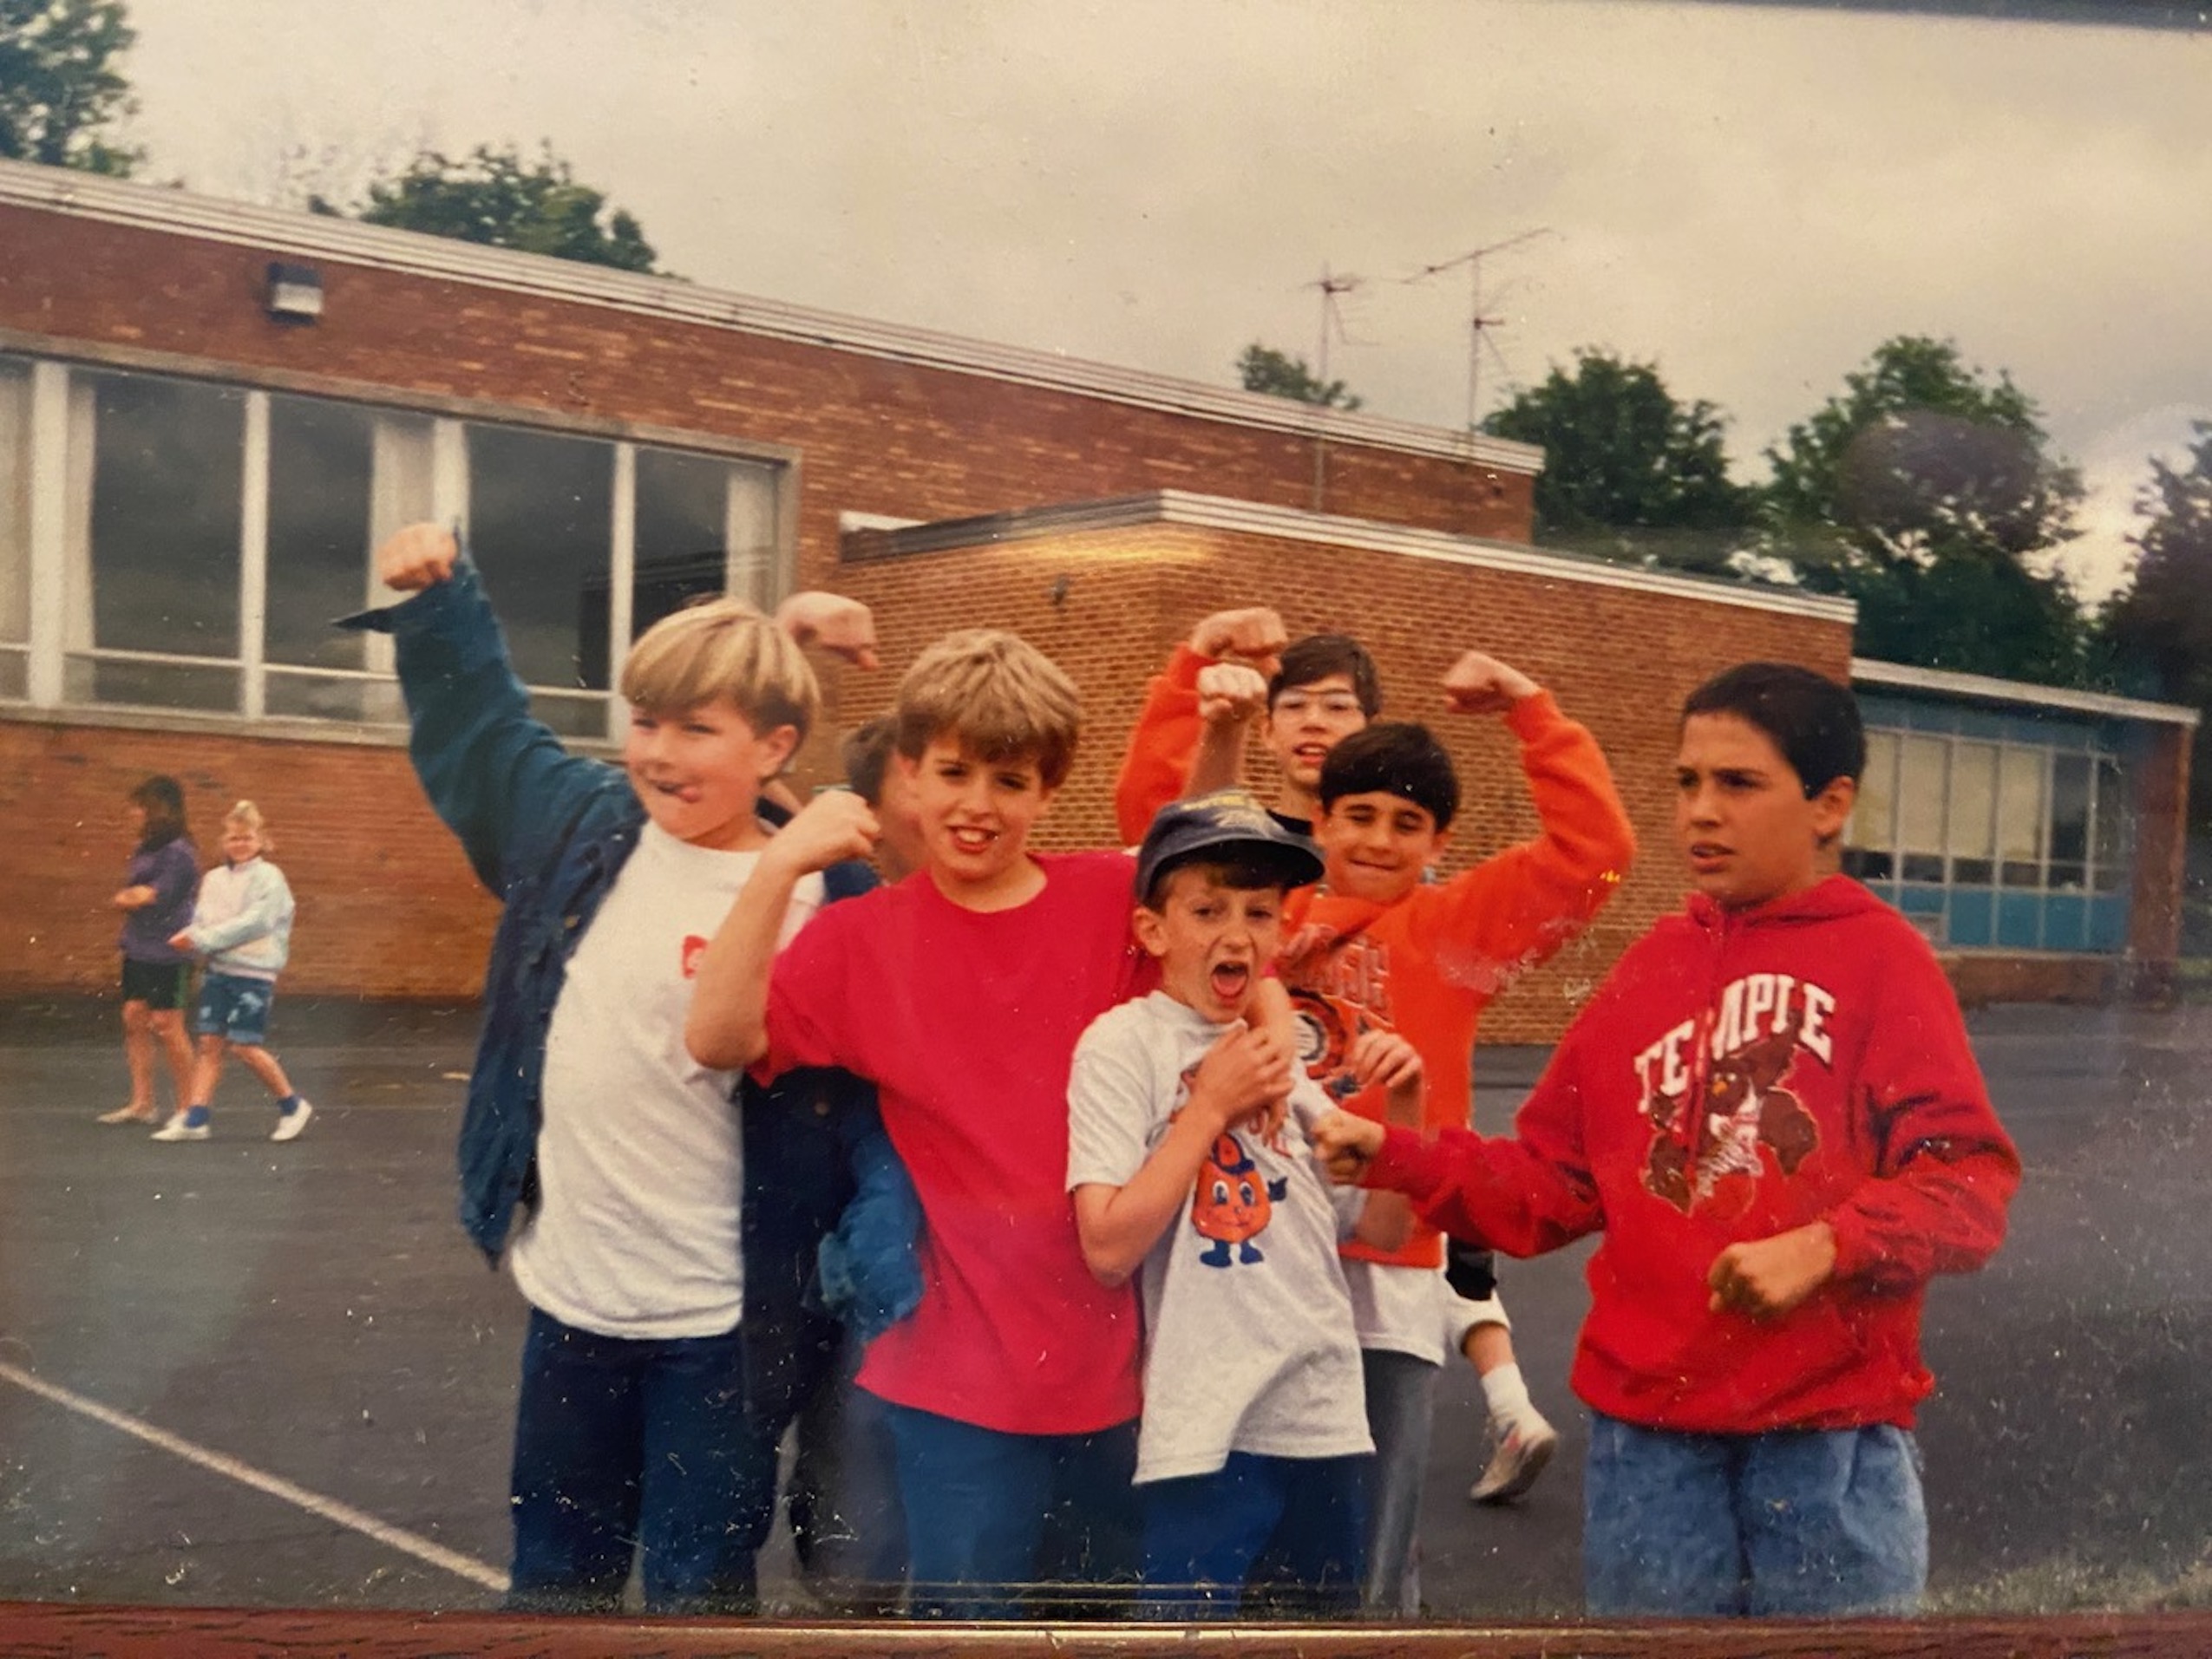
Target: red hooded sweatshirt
pixel 1738 1075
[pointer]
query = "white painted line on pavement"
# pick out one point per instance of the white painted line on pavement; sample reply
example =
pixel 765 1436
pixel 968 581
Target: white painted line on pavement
pixel 329 1509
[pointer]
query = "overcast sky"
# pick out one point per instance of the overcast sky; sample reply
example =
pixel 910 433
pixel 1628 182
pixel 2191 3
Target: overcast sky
pixel 1752 195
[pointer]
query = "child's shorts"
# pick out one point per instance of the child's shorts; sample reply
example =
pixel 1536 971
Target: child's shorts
pixel 234 1007
pixel 160 985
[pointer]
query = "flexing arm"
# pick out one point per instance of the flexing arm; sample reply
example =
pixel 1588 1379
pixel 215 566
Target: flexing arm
pixel 727 1027
pixel 1514 909
pixel 1242 1073
pixel 1171 736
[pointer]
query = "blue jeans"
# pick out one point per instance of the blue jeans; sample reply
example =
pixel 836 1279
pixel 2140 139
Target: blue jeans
pixel 1401 1407
pixel 1292 1528
pixel 842 1498
pixel 1791 1522
pixel 996 1517
pixel 624 1446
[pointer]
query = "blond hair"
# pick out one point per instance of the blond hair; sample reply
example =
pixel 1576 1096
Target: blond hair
pixel 249 815
pixel 997 696
pixel 722 648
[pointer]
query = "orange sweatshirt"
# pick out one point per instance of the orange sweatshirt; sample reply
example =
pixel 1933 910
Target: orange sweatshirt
pixel 1427 966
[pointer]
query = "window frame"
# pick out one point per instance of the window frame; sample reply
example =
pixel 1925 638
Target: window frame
pixel 51 448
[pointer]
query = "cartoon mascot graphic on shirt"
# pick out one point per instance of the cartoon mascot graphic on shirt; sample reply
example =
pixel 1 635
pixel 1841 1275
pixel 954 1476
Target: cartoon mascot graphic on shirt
pixel 1714 1129
pixel 1233 1204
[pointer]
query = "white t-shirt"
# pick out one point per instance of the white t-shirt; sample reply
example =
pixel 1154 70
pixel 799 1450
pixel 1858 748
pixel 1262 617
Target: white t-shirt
pixel 1249 1342
pixel 1396 1308
pixel 640 1164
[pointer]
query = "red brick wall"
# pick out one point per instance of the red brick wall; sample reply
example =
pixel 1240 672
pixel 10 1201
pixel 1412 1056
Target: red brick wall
pixel 1619 660
pixel 388 906
pixel 877 436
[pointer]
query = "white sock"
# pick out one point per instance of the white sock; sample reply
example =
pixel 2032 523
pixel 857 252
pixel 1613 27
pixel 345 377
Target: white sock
pixel 1506 1395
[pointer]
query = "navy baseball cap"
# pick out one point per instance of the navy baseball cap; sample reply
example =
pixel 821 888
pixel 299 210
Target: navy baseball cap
pixel 1233 822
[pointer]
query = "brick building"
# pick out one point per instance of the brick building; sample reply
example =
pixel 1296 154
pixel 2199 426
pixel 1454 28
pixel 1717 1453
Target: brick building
pixel 209 413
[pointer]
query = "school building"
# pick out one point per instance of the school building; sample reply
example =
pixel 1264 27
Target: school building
pixel 211 413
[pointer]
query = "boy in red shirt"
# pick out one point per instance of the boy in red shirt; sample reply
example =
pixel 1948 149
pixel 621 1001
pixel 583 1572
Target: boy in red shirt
pixel 1770 1110
pixel 961 992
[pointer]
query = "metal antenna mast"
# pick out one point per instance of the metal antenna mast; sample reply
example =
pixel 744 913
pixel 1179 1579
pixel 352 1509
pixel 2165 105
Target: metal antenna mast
pixel 1332 319
pixel 1479 323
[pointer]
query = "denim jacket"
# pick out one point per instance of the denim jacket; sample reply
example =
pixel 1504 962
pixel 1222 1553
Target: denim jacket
pixel 546 833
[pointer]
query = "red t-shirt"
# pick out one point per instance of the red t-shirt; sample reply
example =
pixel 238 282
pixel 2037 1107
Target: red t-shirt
pixel 966 1021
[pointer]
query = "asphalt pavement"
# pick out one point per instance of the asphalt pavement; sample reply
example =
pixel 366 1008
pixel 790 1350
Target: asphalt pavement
pixel 233 1372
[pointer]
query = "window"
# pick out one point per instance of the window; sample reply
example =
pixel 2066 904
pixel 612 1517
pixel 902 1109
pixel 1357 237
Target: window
pixel 205 536
pixel 2002 830
pixel 1870 838
pixel 2020 817
pixel 14 527
pixel 1922 784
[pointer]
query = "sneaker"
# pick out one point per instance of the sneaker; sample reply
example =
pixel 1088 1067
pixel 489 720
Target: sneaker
pixel 1521 1457
pixel 177 1129
pixel 289 1124
pixel 131 1114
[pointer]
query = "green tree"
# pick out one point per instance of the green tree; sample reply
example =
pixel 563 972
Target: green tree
pixel 1630 472
pixel 59 85
pixel 1277 374
pixel 2160 627
pixel 1926 491
pixel 494 196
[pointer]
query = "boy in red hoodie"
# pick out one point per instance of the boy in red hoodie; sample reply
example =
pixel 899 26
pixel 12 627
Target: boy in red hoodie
pixel 1770 1110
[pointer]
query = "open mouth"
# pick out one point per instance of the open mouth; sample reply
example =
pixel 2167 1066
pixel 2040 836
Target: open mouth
pixel 967 839
pixel 1230 980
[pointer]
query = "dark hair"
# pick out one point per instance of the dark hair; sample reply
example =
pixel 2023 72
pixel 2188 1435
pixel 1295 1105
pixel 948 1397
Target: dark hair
pixel 1243 871
pixel 1812 721
pixel 161 798
pixel 865 752
pixel 1318 655
pixel 1394 757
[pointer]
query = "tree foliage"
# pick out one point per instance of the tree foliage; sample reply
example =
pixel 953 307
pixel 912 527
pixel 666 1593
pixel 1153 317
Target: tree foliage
pixel 1629 471
pixel 1927 492
pixel 2161 627
pixel 494 197
pixel 1277 374
pixel 59 85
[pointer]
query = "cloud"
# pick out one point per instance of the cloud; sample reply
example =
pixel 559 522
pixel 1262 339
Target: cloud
pixel 1754 196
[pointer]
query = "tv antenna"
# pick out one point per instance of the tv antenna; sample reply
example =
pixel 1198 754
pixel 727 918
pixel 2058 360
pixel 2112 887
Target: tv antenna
pixel 1331 316
pixel 1332 321
pixel 1479 321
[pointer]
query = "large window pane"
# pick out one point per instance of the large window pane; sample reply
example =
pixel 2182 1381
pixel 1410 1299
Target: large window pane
pixel 1970 830
pixel 541 509
pixel 1872 843
pixel 2069 845
pixel 14 502
pixel 167 460
pixel 2019 817
pixel 321 474
pixel 2112 820
pixel 1922 779
pixel 683 532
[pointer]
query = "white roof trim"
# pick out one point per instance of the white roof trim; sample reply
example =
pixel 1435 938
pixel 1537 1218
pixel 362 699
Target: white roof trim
pixel 1989 689
pixel 85 195
pixel 1294 524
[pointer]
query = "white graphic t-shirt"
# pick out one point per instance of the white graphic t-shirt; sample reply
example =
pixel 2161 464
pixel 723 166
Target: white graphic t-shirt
pixel 1249 1341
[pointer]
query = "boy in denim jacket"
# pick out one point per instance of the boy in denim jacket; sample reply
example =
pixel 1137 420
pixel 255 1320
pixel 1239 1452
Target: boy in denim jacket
pixel 633 1431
